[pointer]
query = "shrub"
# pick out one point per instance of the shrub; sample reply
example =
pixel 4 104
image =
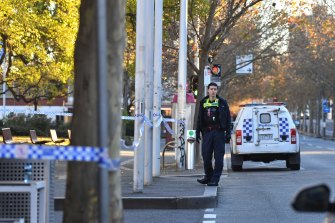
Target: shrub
pixel 20 124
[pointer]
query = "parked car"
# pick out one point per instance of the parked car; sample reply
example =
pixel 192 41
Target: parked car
pixel 264 132
pixel 297 123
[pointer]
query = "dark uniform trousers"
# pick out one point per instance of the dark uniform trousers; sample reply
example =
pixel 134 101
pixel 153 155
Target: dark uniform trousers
pixel 213 140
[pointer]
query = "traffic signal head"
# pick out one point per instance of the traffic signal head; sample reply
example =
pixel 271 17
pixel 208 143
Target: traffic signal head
pixel 216 70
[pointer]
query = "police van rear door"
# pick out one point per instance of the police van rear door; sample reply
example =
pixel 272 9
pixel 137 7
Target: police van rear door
pixel 267 125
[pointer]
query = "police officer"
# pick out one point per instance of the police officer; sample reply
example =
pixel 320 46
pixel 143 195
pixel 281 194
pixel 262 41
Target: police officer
pixel 214 125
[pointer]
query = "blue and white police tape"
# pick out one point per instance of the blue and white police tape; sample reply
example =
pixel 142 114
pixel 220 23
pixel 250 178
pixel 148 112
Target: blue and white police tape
pixel 144 120
pixel 135 144
pixel 159 119
pixel 127 117
pixel 66 153
pixel 157 122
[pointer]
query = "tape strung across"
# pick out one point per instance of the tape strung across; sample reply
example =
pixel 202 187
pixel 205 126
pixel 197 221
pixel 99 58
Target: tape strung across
pixel 144 120
pixel 135 144
pixel 68 153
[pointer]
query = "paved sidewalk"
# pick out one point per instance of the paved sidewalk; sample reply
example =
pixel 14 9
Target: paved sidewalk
pixel 174 189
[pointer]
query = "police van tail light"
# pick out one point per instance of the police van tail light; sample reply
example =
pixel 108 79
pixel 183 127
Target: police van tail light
pixel 293 136
pixel 238 137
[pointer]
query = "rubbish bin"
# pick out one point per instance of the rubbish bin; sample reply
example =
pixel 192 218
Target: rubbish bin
pixel 190 153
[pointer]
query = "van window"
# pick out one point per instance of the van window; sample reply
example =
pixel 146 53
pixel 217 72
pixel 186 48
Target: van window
pixel 265 118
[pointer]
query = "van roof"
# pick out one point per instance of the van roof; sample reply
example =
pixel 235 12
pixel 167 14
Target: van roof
pixel 262 104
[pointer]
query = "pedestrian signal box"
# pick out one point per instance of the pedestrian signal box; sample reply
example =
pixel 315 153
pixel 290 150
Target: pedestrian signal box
pixel 190 133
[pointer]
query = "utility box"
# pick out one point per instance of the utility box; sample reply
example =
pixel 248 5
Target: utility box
pixel 18 198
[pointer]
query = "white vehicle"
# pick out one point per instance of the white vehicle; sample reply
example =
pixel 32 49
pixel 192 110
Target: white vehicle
pixel 264 133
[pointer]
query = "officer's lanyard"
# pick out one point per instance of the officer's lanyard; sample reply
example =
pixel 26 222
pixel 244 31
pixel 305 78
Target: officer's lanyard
pixel 211 104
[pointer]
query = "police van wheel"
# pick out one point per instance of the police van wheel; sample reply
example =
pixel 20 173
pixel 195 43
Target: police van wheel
pixel 236 167
pixel 236 162
pixel 288 164
pixel 293 161
pixel 295 166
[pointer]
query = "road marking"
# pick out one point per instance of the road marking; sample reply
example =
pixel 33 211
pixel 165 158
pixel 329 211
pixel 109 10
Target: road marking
pixel 209 215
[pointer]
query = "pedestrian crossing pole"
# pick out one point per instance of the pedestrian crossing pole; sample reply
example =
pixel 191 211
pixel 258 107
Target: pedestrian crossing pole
pixel 182 73
pixel 138 176
pixel 149 78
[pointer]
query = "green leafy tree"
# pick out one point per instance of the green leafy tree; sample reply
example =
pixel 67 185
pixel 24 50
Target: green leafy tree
pixel 38 43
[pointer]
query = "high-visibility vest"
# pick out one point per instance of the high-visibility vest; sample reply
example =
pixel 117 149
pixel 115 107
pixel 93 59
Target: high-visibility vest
pixel 211 104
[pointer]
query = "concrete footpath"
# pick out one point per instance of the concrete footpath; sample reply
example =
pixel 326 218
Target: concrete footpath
pixel 173 189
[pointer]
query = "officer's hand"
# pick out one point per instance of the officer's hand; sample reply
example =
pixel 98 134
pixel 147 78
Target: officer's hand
pixel 198 137
pixel 228 137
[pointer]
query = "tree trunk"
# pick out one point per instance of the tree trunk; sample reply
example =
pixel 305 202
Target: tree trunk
pixel 116 40
pixel 81 204
pixel 126 91
pixel 82 199
pixel 201 89
pixel 318 117
pixel 311 116
pixel 333 114
pixel 35 105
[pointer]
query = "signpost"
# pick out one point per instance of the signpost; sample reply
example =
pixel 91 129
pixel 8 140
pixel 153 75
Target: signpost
pixel 244 64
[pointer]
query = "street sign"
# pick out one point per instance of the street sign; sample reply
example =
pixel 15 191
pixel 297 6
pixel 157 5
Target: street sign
pixel 244 64
pixel 325 106
pixel 207 75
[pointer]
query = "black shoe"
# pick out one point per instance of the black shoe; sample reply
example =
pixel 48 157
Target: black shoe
pixel 204 180
pixel 213 183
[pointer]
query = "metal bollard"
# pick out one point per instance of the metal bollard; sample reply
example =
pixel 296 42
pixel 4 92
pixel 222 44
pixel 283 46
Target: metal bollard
pixel 190 153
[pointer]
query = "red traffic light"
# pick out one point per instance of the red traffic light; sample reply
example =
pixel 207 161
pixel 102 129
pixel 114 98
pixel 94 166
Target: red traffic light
pixel 216 70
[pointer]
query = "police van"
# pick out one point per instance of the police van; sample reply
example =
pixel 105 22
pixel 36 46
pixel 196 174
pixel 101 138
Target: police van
pixel 264 133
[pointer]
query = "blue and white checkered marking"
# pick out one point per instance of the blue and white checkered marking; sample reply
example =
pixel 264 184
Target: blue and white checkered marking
pixel 247 129
pixel 284 128
pixel 68 153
